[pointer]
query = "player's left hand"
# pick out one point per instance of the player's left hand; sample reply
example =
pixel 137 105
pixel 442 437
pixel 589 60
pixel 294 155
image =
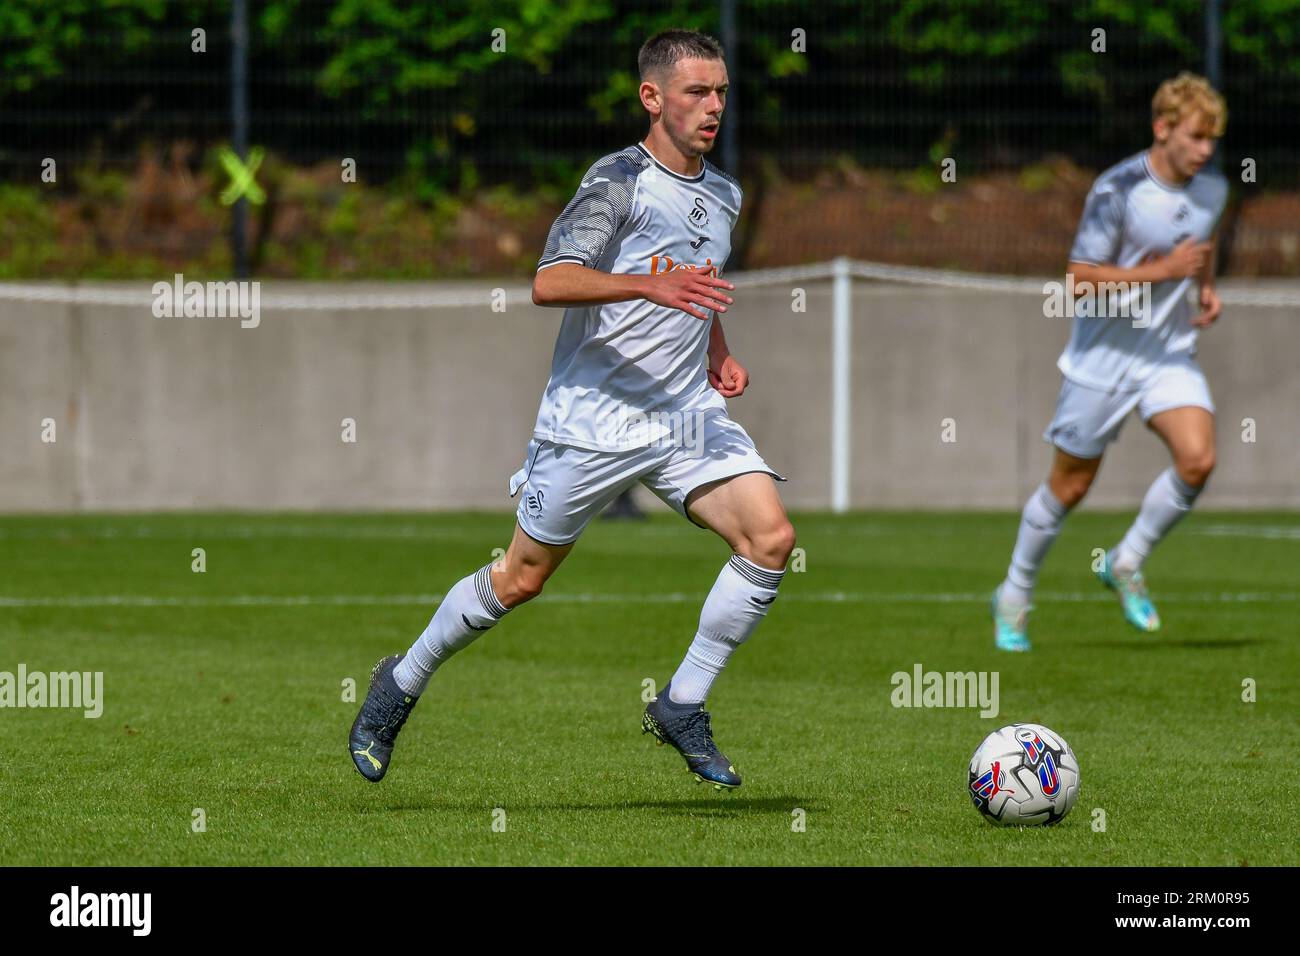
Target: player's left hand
pixel 729 377
pixel 1210 307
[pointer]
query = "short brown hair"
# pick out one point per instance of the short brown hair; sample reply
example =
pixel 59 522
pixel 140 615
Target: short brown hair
pixel 660 53
pixel 1186 94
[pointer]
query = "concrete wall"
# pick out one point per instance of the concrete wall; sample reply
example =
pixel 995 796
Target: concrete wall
pixel 201 413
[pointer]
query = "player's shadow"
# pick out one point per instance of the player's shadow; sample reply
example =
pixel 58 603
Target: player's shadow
pixel 721 805
pixel 1160 643
pixel 718 804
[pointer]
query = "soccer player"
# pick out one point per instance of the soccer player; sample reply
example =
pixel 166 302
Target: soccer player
pixel 1148 224
pixel 637 392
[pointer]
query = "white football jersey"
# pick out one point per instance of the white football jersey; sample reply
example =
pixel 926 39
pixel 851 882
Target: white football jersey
pixel 1131 215
pixel 622 371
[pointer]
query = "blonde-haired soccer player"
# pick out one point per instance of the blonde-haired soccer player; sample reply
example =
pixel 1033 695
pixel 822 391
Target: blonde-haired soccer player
pixel 1149 225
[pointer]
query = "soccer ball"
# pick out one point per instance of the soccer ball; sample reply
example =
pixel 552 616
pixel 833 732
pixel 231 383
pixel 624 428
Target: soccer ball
pixel 1024 775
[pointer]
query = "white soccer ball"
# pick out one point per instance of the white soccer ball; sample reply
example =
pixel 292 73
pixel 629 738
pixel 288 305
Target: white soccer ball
pixel 1024 775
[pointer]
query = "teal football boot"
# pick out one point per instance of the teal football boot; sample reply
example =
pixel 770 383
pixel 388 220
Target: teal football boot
pixel 1133 598
pixel 1010 621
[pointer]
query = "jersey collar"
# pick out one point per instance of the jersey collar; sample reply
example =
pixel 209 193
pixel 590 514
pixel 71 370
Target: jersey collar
pixel 1163 184
pixel 686 179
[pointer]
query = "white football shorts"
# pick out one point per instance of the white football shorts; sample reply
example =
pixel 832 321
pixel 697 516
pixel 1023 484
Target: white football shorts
pixel 1088 419
pixel 565 486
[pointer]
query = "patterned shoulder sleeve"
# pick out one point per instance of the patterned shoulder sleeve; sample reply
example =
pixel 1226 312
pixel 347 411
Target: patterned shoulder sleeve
pixel 595 214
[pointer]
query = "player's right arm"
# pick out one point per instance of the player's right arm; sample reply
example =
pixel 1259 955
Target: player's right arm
pixel 1188 258
pixel 571 284
pixel 568 273
pixel 1097 243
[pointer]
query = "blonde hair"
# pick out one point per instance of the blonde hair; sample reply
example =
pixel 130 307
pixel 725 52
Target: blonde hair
pixel 1186 94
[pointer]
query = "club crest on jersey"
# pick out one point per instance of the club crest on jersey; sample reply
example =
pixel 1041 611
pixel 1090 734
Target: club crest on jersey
pixel 698 214
pixel 661 264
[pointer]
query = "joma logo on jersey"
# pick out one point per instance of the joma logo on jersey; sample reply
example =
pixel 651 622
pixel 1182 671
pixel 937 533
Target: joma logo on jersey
pixel 661 264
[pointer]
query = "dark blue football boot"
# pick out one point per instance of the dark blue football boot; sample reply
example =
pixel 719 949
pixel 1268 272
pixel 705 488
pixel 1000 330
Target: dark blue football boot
pixel 383 712
pixel 686 727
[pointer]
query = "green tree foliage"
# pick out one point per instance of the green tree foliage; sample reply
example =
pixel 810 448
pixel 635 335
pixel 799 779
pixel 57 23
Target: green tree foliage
pixel 429 70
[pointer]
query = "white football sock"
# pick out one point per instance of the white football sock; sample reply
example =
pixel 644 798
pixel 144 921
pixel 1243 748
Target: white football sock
pixel 1040 523
pixel 739 600
pixel 1166 501
pixel 469 609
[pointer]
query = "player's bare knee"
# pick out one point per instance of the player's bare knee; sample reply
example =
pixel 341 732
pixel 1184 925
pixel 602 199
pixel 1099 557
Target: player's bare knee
pixel 784 543
pixel 771 548
pixel 1195 469
pixel 523 585
pixel 1075 490
pixel 1071 488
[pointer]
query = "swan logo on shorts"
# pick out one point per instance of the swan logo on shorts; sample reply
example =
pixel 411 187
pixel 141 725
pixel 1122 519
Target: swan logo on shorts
pixel 533 503
pixel 1068 432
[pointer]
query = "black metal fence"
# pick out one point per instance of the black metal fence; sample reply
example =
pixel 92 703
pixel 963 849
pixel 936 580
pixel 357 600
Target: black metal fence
pixel 886 84
pixel 447 97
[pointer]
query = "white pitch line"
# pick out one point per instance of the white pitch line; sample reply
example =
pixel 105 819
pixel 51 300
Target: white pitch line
pixel 243 531
pixel 1270 531
pixel 813 526
pixel 397 600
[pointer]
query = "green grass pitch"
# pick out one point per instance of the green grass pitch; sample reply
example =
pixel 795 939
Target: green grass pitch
pixel 223 692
